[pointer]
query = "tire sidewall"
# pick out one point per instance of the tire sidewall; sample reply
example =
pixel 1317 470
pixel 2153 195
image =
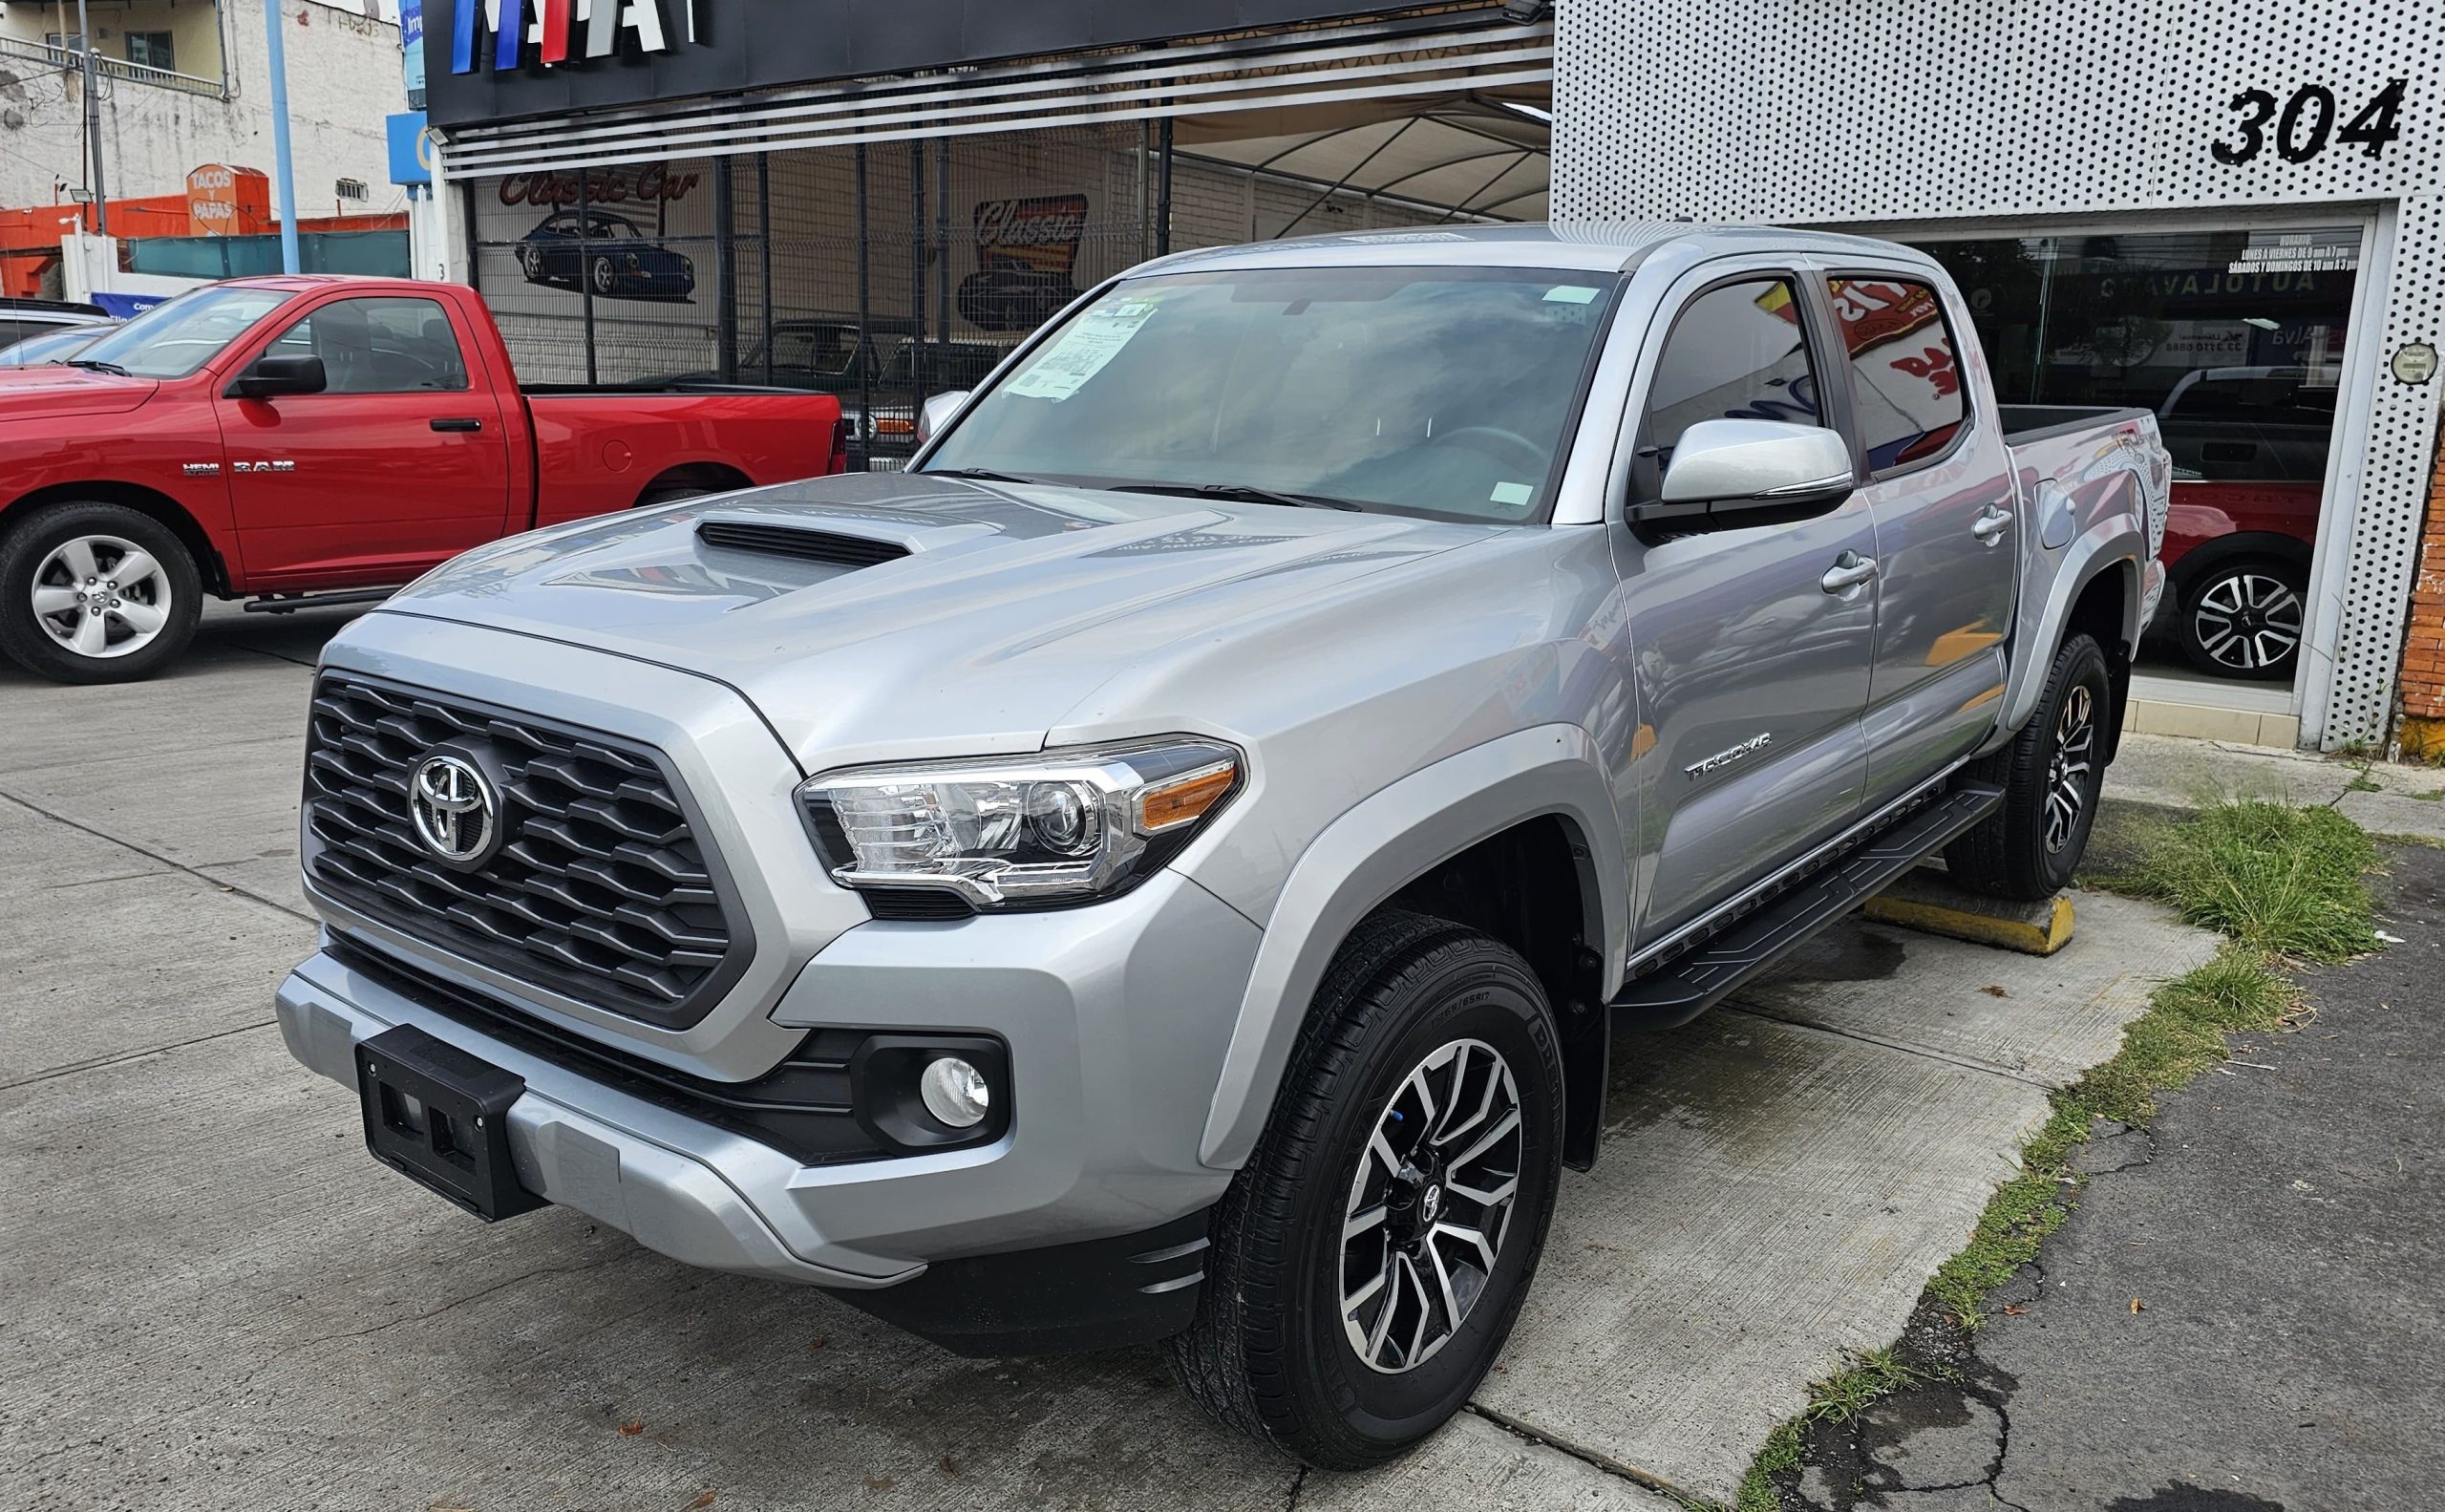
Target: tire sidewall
pixel 25 544
pixel 2080 663
pixel 1491 996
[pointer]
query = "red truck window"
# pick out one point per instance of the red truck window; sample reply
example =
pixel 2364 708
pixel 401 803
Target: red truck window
pixel 380 345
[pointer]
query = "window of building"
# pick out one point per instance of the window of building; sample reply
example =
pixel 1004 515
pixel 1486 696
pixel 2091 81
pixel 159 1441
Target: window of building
pixel 2234 340
pixel 1905 386
pixel 152 50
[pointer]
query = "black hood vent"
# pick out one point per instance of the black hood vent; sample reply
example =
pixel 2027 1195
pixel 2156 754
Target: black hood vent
pixel 807 545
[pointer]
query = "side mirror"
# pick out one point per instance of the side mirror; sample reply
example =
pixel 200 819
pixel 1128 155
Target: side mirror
pixel 272 376
pixel 936 413
pixel 1727 474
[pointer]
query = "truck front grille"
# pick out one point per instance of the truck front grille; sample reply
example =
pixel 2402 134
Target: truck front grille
pixel 596 886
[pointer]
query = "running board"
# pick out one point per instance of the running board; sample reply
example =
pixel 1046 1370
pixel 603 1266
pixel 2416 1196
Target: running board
pixel 291 602
pixel 1681 988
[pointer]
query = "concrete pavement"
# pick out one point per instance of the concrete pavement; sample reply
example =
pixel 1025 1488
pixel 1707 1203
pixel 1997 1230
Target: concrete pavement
pixel 214 1298
pixel 2383 797
pixel 2241 1315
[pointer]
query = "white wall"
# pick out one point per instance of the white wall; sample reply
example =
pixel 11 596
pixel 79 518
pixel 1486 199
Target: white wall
pixel 1902 118
pixel 344 77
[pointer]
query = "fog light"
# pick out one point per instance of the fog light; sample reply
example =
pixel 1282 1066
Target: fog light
pixel 955 1091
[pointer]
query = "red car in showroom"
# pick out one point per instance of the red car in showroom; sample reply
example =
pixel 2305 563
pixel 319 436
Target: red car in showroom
pixel 294 441
pixel 2249 451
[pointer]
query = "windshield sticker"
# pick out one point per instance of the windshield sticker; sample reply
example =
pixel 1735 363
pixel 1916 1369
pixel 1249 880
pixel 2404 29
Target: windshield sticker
pixel 1083 350
pixel 1512 494
pixel 1569 295
pixel 1399 238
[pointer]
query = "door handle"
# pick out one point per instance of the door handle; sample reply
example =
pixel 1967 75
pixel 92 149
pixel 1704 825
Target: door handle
pixel 1989 526
pixel 1849 570
pixel 462 422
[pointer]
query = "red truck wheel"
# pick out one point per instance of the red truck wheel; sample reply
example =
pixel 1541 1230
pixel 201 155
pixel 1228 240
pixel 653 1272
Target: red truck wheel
pixel 95 593
pixel 2242 618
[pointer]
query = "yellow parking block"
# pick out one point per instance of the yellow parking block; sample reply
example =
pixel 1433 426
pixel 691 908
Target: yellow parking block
pixel 1926 903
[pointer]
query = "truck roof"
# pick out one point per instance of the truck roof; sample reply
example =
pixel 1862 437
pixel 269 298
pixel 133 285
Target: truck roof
pixel 300 282
pixel 1585 245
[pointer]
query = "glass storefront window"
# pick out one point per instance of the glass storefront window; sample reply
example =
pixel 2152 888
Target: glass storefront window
pixel 2235 340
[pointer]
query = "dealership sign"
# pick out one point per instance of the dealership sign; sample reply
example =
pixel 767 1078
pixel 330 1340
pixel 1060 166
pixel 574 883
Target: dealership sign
pixel 553 31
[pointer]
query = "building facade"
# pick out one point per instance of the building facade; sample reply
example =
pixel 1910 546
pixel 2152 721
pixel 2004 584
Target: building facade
pixel 184 83
pixel 2229 215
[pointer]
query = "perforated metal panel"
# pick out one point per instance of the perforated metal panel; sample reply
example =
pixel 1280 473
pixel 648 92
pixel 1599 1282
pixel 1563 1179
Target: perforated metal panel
pixel 1883 111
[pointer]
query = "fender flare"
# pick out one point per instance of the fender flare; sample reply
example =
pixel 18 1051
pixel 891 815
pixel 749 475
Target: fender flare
pixel 2101 547
pixel 1378 847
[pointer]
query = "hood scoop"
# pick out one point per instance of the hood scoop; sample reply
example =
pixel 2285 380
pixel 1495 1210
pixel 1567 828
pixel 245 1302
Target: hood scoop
pixel 831 547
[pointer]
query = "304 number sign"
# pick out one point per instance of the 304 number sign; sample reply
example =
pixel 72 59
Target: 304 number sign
pixel 2307 122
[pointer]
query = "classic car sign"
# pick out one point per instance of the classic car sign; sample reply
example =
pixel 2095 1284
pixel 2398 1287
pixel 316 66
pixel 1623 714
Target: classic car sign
pixel 1027 254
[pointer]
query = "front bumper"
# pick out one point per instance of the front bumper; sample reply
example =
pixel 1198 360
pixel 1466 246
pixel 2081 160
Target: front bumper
pixel 1116 1017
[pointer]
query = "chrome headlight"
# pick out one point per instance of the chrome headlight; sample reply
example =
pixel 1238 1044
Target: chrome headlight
pixel 1039 831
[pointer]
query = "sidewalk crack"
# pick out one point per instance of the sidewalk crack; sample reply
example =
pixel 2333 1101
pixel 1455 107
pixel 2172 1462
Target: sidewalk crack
pixel 1519 1428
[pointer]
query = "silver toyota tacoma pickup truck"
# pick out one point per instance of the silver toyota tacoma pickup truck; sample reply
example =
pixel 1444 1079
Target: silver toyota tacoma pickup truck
pixel 1169 866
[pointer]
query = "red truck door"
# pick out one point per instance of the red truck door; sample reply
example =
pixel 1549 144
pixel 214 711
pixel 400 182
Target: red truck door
pixel 402 461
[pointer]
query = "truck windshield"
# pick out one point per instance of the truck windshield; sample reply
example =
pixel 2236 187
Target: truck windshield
pixel 1434 391
pixel 178 337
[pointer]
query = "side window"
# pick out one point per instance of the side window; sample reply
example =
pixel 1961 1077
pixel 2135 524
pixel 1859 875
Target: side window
pixel 1905 386
pixel 380 345
pixel 1737 352
pixel 13 331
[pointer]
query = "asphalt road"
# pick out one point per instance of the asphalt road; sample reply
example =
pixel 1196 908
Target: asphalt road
pixel 210 1297
pixel 2242 1314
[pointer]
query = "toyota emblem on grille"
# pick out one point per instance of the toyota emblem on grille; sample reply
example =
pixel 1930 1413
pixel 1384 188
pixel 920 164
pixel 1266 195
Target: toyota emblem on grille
pixel 453 806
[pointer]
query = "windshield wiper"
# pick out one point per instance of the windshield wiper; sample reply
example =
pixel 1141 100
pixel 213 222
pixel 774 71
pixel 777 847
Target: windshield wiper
pixel 1237 493
pixel 91 366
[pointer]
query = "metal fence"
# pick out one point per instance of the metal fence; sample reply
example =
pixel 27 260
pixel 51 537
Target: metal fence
pixel 114 68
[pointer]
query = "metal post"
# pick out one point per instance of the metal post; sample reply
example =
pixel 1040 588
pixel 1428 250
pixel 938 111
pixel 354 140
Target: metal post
pixel 725 271
pixel 584 274
pixel 865 432
pixel 93 123
pixel 917 273
pixel 282 176
pixel 764 245
pixel 941 256
pixel 1163 195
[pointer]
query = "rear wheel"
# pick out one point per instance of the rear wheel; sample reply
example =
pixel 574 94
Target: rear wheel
pixel 2242 618
pixel 1368 1261
pixel 95 593
pixel 2051 773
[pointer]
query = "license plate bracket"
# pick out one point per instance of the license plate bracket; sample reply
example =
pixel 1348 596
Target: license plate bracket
pixel 440 1116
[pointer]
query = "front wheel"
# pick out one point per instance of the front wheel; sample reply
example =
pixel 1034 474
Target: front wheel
pixel 2051 773
pixel 95 593
pixel 1370 1259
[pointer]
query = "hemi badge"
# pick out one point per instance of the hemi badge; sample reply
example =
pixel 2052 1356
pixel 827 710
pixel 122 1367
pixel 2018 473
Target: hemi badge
pixel 202 469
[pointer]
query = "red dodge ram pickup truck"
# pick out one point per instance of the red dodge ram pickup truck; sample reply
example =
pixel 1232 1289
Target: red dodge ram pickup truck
pixel 301 439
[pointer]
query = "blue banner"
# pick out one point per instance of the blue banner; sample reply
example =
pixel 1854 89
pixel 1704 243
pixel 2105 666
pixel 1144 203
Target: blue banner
pixel 411 41
pixel 411 148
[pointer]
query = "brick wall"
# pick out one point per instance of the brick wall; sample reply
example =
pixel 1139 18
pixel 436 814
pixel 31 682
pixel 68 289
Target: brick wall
pixel 2422 679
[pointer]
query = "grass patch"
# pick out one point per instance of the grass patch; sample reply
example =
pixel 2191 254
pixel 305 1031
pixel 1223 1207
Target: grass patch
pixel 1836 1399
pixel 2277 882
